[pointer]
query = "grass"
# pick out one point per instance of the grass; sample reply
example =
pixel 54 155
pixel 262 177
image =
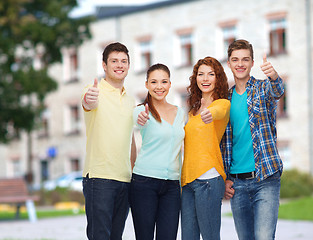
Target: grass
pixel 300 209
pixel 6 215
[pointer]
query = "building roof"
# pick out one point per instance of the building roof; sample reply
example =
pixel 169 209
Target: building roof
pixel 119 10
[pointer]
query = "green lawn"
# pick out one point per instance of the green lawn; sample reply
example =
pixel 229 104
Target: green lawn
pixel 300 209
pixel 4 215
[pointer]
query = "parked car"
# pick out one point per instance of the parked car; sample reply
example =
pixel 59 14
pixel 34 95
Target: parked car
pixel 72 181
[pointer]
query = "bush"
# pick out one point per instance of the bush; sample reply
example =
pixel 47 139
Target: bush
pixel 48 198
pixel 296 184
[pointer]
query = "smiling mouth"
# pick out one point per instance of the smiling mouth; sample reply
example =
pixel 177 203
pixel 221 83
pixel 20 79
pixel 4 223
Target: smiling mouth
pixel 206 84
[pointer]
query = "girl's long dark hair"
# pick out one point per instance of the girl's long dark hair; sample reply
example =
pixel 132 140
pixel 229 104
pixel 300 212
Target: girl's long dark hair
pixel 148 99
pixel 221 84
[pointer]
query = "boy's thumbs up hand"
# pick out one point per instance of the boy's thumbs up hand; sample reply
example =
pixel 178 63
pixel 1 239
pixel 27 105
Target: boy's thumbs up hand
pixel 143 116
pixel 268 69
pixel 91 97
pixel 205 113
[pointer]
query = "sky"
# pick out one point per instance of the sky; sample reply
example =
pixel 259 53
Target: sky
pixel 87 7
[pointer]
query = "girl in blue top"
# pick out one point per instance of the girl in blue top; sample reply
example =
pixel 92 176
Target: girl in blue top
pixel 154 188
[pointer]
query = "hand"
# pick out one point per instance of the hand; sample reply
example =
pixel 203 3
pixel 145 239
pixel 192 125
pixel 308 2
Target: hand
pixel 268 69
pixel 90 100
pixel 143 116
pixel 205 113
pixel 229 191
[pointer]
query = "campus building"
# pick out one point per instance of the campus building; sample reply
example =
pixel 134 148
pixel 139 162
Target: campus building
pixel 176 33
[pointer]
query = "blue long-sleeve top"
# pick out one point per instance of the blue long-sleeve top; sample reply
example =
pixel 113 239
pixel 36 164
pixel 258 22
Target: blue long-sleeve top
pixel 160 153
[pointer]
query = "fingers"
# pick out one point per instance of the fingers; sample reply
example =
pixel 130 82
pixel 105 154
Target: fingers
pixel 268 68
pixel 92 93
pixel 95 83
pixel 143 116
pixel 147 109
pixel 205 113
pixel 264 58
pixel 202 104
pixel 229 190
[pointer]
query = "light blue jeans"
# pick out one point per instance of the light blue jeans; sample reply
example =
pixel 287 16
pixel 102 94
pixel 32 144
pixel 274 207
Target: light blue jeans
pixel 201 209
pixel 255 207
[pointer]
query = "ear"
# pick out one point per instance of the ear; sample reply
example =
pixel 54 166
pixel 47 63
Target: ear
pixel 104 66
pixel 252 63
pixel 228 64
pixel 146 84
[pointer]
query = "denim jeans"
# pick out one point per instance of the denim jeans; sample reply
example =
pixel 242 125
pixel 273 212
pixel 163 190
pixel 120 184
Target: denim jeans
pixel 107 207
pixel 255 207
pixel 155 203
pixel 201 209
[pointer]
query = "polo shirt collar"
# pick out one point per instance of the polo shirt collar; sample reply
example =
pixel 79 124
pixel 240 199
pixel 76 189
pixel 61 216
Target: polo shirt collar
pixel 109 87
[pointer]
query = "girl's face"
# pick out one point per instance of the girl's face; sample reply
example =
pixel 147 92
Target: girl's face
pixel 206 79
pixel 158 84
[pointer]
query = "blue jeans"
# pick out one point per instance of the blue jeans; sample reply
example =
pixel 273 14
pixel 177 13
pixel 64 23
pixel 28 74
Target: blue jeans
pixel 201 209
pixel 107 207
pixel 155 202
pixel 255 207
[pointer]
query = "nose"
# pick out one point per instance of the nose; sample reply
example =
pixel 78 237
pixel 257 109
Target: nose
pixel 119 64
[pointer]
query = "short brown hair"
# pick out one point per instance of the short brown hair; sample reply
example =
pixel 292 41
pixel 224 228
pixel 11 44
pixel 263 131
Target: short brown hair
pixel 114 47
pixel 240 44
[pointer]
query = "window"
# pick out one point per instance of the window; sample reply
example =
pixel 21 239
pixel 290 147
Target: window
pixel 74 164
pixel 70 60
pixel 229 36
pixel 43 131
pixel 145 55
pixel 72 120
pixel 277 36
pixel 186 49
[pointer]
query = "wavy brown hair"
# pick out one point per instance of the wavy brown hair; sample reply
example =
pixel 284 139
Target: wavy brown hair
pixel 221 84
pixel 154 112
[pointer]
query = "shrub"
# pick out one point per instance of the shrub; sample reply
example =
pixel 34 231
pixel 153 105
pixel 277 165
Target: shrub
pixel 296 184
pixel 58 195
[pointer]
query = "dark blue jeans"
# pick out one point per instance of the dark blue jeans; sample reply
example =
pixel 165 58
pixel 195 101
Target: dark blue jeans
pixel 155 203
pixel 106 205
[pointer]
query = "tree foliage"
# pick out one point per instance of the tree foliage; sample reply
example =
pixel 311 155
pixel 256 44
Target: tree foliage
pixel 33 33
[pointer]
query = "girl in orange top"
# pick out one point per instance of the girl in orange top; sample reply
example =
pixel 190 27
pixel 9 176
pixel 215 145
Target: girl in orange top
pixel 203 173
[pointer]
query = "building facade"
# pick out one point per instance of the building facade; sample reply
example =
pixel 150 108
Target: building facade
pixel 176 33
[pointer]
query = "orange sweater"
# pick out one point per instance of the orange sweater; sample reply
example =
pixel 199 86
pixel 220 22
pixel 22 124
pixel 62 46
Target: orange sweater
pixel 201 149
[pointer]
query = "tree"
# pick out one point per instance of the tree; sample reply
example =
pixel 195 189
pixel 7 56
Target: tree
pixel 33 33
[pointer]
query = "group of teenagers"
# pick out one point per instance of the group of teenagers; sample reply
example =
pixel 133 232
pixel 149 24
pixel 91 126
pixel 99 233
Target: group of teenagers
pixel 224 147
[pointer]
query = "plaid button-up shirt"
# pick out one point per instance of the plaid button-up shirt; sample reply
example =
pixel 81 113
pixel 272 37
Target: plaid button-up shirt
pixel 262 98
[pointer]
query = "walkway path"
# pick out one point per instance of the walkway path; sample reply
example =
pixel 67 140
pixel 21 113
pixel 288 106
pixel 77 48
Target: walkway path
pixel 73 228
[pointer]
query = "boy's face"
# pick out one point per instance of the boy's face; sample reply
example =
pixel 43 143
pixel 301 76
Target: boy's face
pixel 240 62
pixel 117 66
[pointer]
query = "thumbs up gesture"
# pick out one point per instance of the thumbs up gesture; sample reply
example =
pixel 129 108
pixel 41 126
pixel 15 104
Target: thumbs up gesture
pixel 205 113
pixel 91 96
pixel 143 116
pixel 268 69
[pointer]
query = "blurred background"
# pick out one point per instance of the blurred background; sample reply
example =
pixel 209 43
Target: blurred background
pixel 50 50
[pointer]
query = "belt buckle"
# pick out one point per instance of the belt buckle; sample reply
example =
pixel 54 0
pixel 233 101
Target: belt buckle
pixel 253 175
